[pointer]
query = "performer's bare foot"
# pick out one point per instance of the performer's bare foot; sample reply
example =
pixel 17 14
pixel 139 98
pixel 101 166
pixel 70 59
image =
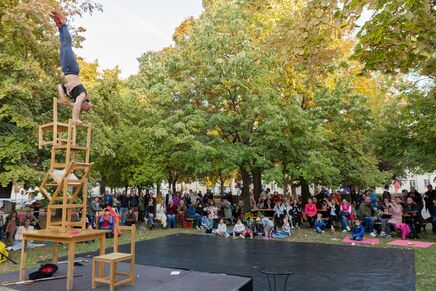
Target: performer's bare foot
pixel 58 17
pixel 77 122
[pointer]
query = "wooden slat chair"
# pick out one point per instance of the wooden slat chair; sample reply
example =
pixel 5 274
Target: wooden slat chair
pixel 113 258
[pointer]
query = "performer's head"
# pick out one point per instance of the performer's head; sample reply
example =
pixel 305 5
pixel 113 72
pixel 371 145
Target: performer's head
pixel 86 106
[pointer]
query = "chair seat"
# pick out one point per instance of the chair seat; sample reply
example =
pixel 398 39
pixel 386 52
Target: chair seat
pixel 113 257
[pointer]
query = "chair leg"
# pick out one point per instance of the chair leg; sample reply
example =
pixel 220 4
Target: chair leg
pixel 94 265
pixel 132 272
pixel 112 276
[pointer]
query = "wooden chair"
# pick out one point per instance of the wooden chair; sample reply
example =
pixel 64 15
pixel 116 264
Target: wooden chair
pixel 112 259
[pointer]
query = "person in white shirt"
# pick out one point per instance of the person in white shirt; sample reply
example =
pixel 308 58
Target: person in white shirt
pixel 238 229
pixel 222 229
pixel 27 227
pixel 161 213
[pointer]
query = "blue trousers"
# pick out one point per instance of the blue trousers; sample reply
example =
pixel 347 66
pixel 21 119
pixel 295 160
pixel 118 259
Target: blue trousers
pixel 198 219
pixel 69 63
pixel 171 220
pixel 433 223
pixel 344 221
pixel 369 222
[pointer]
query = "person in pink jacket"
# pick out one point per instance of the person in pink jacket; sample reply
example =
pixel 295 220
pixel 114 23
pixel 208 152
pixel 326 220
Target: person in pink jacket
pixel 396 210
pixel 310 209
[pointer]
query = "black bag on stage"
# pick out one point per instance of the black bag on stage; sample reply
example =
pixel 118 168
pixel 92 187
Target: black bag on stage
pixel 45 271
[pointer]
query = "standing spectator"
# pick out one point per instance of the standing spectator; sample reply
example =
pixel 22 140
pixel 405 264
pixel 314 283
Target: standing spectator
pixel 2 224
pixel 365 214
pixel 417 198
pixel 36 207
pixel 107 198
pixel 142 205
pixel 116 201
pixel 124 203
pixel 171 214
pixel 429 196
pixel 432 211
pixel 93 210
pixel 134 202
pixel 252 200
pixel 310 209
pixel 386 193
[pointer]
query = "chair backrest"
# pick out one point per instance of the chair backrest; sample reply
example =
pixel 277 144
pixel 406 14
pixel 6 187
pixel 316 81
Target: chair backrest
pixel 132 230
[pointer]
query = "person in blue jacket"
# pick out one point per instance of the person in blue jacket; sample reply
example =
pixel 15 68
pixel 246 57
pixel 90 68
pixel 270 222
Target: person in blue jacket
pixel 192 213
pixel 358 230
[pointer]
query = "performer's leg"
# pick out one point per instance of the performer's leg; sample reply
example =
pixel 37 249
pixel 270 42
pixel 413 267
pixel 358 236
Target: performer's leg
pixel 68 60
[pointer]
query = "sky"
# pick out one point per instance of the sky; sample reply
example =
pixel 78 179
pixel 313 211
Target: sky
pixel 128 28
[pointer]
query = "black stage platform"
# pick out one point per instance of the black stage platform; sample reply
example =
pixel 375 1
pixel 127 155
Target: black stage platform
pixel 147 278
pixel 316 266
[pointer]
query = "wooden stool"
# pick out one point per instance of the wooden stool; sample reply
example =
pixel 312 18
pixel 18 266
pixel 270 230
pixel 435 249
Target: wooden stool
pixel 113 258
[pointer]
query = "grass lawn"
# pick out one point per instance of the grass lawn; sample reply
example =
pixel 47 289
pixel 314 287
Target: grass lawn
pixel 425 259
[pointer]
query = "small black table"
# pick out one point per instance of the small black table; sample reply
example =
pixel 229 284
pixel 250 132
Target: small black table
pixel 274 271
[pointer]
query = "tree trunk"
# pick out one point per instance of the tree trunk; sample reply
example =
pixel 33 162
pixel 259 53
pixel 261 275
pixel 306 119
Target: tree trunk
pixel 102 186
pixel 305 192
pixel 158 186
pixel 245 188
pixel 257 182
pixel 294 189
pixel 222 180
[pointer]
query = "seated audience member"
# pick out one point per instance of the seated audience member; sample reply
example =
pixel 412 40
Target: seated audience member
pixel 345 214
pixel 333 210
pixel 212 212
pixel 268 204
pixel 268 226
pixel 106 222
pixel 288 212
pixel 365 214
pixel 396 210
pixel 279 213
pixel 260 202
pixel 432 211
pixel 286 229
pixel 181 212
pixel 192 213
pixel 161 213
pixel 310 209
pixel 319 224
pixel 258 228
pixel 11 226
pixel 227 210
pixel 130 217
pixel 276 197
pixel 222 229
pixel 26 227
pixel 171 214
pixel 412 218
pixel 358 230
pixel 296 212
pixel 151 213
pixel 238 229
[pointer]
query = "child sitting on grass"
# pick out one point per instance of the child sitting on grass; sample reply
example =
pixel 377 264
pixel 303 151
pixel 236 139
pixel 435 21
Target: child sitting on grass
pixel 238 229
pixel 286 230
pixel 358 231
pixel 319 224
pixel 222 229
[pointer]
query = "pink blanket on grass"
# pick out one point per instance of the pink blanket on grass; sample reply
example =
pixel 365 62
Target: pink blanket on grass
pixel 368 241
pixel 409 243
pixel 405 229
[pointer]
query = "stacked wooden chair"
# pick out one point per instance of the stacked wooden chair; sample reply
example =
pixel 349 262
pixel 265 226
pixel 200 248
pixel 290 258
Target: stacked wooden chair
pixel 66 182
pixel 112 259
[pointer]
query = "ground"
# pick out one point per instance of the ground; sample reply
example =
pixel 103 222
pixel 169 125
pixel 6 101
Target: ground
pixel 425 258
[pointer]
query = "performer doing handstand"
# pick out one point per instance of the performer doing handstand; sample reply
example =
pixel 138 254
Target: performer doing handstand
pixel 72 88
